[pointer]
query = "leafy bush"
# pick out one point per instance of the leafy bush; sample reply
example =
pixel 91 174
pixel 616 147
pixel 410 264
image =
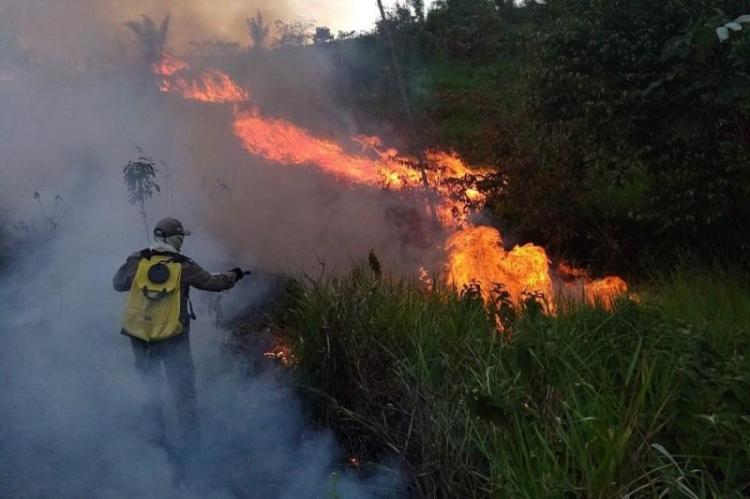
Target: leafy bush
pixel 640 141
pixel 467 29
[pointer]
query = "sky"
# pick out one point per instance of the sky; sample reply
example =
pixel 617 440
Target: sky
pixel 350 14
pixel 78 26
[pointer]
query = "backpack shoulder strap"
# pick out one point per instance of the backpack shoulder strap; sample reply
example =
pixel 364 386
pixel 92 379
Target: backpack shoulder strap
pixel 179 258
pixel 174 257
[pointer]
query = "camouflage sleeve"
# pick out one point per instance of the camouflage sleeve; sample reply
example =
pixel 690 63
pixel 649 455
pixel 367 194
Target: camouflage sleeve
pixel 194 275
pixel 123 279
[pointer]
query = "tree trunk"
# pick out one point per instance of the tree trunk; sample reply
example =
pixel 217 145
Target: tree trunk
pixel 145 222
pixel 407 110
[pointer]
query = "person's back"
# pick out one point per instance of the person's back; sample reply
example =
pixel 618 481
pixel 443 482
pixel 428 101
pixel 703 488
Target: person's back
pixel 157 320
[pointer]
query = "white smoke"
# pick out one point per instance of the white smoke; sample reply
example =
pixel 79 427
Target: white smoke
pixel 71 400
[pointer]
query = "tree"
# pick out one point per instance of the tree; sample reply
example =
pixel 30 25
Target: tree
pixel 152 39
pixel 418 6
pixel 469 29
pixel 258 31
pixel 140 180
pixel 293 34
pixel 345 35
pixel 505 7
pixel 637 145
pixel 322 35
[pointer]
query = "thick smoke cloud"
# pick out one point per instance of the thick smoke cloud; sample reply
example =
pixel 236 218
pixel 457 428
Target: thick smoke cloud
pixel 71 406
pixel 63 124
pixel 86 28
pixel 72 425
pixel 71 401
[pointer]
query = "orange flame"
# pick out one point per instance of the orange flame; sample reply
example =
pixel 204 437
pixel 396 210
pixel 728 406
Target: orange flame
pixel 605 291
pixel 169 65
pixel 210 86
pixel 475 253
pixel 283 142
pixel 602 292
pixel 280 141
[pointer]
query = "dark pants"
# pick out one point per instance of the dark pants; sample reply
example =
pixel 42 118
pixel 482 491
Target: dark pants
pixel 176 357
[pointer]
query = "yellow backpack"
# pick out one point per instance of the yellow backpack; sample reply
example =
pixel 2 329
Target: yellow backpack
pixel 152 311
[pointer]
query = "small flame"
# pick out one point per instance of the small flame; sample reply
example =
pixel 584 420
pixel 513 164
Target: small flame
pixel 282 354
pixel 602 291
pixel 169 65
pixel 209 86
pixel 425 278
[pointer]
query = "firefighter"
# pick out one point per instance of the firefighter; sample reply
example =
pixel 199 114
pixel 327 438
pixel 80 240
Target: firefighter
pixel 157 320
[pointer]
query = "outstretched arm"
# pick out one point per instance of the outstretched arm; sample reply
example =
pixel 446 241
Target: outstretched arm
pixel 123 279
pixel 194 275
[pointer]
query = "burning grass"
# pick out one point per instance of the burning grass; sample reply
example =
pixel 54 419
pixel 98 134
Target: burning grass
pixel 643 400
pixel 475 254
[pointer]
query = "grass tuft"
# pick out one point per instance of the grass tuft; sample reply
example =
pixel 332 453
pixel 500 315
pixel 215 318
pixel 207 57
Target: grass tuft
pixel 648 399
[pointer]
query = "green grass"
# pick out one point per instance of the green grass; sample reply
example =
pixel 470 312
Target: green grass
pixel 648 399
pixel 712 298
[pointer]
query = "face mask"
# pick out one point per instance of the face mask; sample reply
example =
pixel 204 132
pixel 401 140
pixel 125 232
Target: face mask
pixel 176 241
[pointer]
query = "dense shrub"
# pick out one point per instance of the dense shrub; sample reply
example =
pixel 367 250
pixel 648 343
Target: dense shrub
pixel 640 139
pixel 466 29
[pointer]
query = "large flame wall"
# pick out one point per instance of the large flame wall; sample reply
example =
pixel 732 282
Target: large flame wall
pixel 474 254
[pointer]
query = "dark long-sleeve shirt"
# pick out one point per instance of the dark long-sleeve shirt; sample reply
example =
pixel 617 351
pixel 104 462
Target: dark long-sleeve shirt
pixel 192 275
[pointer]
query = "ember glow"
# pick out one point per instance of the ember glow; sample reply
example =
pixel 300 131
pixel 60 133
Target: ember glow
pixel 474 254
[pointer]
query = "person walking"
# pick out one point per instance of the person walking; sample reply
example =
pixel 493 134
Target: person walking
pixel 157 320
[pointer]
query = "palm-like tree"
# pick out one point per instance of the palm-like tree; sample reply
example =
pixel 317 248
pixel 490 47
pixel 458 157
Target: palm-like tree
pixel 152 38
pixel 258 31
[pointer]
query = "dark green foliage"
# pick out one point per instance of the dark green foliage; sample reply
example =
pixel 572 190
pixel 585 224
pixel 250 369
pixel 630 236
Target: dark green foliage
pixel 369 349
pixel 648 400
pixel 467 29
pixel 418 6
pixel 621 129
pixel 641 139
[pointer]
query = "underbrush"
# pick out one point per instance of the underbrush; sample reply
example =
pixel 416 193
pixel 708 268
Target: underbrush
pixel 475 109
pixel 648 399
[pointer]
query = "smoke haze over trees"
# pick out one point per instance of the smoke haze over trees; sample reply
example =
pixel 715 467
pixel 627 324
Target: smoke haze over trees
pixel 618 135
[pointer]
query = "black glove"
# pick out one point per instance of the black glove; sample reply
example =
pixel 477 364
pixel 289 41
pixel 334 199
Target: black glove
pixel 238 272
